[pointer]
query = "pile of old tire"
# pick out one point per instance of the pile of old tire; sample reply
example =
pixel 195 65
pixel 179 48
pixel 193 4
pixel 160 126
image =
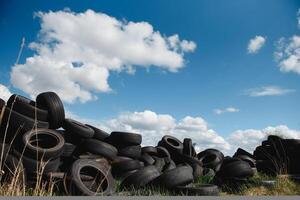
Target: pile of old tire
pixel 235 172
pixel 38 140
pixel 278 156
pixel 171 164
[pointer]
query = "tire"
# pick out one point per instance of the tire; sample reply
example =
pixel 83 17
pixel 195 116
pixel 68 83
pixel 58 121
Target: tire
pixel 188 147
pixel 2 104
pixel 120 159
pixel 239 169
pixel 77 128
pixel 17 124
pixel 211 160
pixel 249 160
pixel 141 178
pixel 74 185
pixel 179 176
pixel 172 144
pixel 169 166
pixel 68 150
pixel 199 190
pixel 197 170
pixel 125 166
pixel 100 148
pixel 150 150
pixel 147 159
pixel 124 139
pixel 267 167
pixel 159 163
pixel 243 152
pixel 130 151
pixel 55 107
pixel 162 152
pixel 50 144
pixel 31 165
pixel 27 107
pixel 98 133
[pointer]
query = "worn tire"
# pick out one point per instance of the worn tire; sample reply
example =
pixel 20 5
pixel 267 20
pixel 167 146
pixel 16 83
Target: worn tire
pixel 124 138
pixel 172 144
pixel 100 148
pixel 27 107
pixel 141 178
pixel 50 144
pixel 199 190
pixel 55 107
pixel 179 176
pixel 98 133
pixel 74 185
pixel 77 128
pixel 125 166
pixel 130 151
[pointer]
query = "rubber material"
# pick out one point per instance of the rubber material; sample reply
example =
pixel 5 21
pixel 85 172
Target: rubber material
pixel 74 185
pixel 77 128
pixel 130 151
pixel 100 148
pixel 98 133
pixel 125 138
pixel 55 107
pixel 199 190
pixel 43 144
pixel 141 178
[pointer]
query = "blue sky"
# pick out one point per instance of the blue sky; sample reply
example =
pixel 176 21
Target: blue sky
pixel 218 74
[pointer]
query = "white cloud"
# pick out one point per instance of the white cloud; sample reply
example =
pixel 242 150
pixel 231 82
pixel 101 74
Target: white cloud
pixel 268 91
pixel 256 44
pixel 249 139
pixel 154 126
pixel 226 110
pixel 4 92
pixel 76 52
pixel 287 54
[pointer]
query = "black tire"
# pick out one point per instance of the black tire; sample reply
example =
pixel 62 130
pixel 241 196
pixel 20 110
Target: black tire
pixel 120 159
pixel 249 160
pixel 74 185
pixel 159 163
pixel 125 166
pixel 188 147
pixel 124 138
pixel 267 167
pixel 55 107
pixel 239 169
pixel 50 144
pixel 98 133
pixel 241 151
pixel 69 148
pixel 162 152
pixel 169 166
pixel 210 161
pixel 147 159
pixel 211 151
pixel 77 128
pixel 179 176
pixel 32 166
pixel 150 150
pixel 130 151
pixel 199 190
pixel 2 104
pixel 197 170
pixel 17 124
pixel 141 178
pixel 100 148
pixel 172 144
pixel 27 107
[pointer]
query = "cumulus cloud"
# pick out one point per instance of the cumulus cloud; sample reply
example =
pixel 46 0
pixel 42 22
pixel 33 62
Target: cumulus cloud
pixel 267 91
pixel 287 54
pixel 154 126
pixel 4 92
pixel 226 110
pixel 250 138
pixel 76 52
pixel 256 44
